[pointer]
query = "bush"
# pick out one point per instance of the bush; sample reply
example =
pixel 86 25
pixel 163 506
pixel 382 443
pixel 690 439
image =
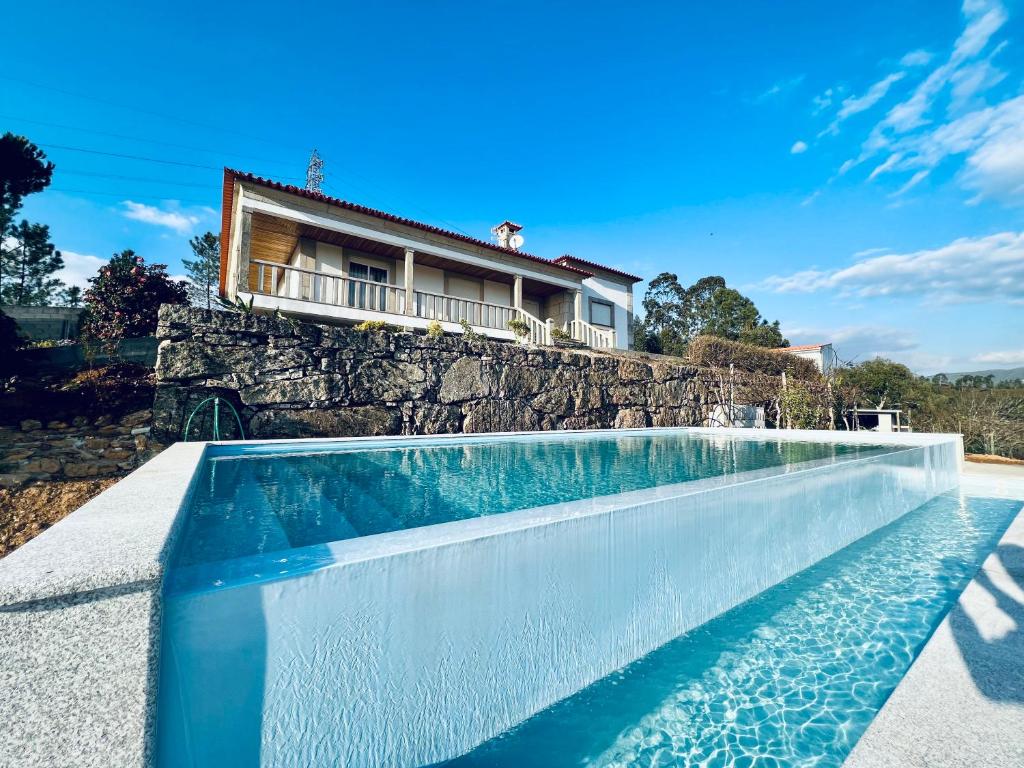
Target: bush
pixel 560 335
pixel 467 331
pixel 718 352
pixel 374 326
pixel 434 330
pixel 10 340
pixel 519 327
pixel 123 299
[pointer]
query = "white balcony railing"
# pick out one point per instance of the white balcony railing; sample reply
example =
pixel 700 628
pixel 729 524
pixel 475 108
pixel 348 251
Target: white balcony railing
pixel 592 336
pixel 287 282
pixel 308 285
pixel 450 309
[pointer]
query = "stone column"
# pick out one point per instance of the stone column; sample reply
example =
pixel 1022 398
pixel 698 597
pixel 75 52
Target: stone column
pixel 577 309
pixel 410 270
pixel 244 243
pixel 517 292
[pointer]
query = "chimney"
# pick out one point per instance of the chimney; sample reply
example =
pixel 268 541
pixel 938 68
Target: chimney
pixel 505 232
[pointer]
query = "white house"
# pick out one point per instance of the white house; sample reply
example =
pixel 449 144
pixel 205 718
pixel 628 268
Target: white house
pixel 313 256
pixel 822 354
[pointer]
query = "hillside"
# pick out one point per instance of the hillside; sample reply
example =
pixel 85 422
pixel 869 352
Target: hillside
pixel 999 374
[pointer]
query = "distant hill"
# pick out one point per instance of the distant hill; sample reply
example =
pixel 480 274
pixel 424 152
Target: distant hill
pixel 998 374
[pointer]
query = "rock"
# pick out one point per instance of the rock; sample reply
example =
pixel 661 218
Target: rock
pixel 312 389
pixel 81 469
pixel 79 421
pixel 464 380
pixel 117 454
pixel 383 381
pixel 499 416
pixel 13 479
pixel 632 418
pixel 102 421
pixel 96 443
pixel 137 418
pixel 57 425
pixel 436 419
pixel 335 422
pixel 44 465
pixel 19 454
pixel 29 425
pixel 141 431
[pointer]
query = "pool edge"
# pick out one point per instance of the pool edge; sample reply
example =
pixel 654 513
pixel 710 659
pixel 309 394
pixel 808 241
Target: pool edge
pixel 945 710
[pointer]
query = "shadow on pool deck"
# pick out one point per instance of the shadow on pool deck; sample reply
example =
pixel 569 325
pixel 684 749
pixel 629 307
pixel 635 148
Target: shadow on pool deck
pixel 988 626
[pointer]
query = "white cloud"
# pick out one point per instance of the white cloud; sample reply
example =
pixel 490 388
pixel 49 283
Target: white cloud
pixel 989 268
pixel 778 88
pixel 173 217
pixel 1009 357
pixel 823 102
pixel 918 58
pixel 78 268
pixel 854 105
pixel 798 148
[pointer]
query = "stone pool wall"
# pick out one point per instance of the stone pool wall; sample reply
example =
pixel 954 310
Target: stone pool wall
pixel 291 379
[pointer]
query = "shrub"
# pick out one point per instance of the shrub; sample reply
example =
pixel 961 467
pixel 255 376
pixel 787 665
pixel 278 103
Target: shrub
pixel 713 351
pixel 467 331
pixel 374 326
pixel 519 327
pixel 124 297
pixel 10 340
pixel 558 334
pixel 434 330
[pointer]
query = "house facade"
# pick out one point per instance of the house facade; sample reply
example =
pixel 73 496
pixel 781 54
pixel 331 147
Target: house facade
pixel 822 355
pixel 319 258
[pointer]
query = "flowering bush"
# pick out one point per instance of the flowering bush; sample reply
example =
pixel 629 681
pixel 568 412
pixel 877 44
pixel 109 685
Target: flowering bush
pixel 124 297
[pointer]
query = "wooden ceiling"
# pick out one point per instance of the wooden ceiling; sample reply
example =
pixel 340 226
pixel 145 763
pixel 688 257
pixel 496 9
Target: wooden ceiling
pixel 274 239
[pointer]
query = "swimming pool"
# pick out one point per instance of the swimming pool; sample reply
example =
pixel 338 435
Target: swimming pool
pixel 793 677
pixel 415 643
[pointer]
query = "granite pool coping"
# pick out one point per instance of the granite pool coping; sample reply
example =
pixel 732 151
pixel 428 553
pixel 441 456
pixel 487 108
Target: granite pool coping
pixel 961 703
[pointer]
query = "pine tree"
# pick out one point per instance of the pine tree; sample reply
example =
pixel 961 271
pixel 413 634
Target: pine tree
pixel 24 169
pixel 28 263
pixel 71 296
pixel 204 271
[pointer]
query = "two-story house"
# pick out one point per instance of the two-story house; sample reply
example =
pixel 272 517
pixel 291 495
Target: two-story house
pixel 316 257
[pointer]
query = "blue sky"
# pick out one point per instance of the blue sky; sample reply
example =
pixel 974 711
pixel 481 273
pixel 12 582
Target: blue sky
pixel 858 171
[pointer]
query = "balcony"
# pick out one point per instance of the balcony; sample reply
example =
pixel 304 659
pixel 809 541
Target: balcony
pixel 333 296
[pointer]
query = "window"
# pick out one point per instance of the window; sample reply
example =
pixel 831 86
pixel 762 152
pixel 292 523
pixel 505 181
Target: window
pixel 365 296
pixel 601 313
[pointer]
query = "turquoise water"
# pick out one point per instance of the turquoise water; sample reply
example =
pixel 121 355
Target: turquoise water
pixel 790 678
pixel 254 504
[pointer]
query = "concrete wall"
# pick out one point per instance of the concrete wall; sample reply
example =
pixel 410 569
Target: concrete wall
pixel 141 351
pixel 39 323
pixel 606 289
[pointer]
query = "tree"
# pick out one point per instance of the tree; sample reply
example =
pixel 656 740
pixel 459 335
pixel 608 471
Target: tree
pixel 880 381
pixel 71 296
pixel 28 264
pixel 10 340
pixel 24 169
pixel 204 271
pixel 674 315
pixel 123 298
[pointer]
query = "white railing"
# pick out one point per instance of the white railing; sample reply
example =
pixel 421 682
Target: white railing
pixel 540 331
pixel 598 338
pixel 450 309
pixel 288 282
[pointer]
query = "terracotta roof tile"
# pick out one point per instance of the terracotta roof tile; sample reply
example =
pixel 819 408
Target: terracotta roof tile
pixel 594 265
pixel 230 175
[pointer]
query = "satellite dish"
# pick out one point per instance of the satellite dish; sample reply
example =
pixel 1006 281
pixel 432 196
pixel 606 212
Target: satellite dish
pixel 516 241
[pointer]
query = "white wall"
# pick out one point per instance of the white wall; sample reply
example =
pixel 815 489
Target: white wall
pixel 428 279
pixel 617 293
pixel 497 293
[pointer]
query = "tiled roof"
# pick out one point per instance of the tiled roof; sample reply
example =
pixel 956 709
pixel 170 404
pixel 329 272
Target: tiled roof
pixel 803 348
pixel 569 257
pixel 230 175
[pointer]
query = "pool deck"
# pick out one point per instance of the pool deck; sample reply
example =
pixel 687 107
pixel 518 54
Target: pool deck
pixel 962 701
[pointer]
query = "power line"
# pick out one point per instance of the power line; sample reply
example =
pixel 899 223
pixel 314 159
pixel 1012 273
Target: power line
pixel 122 195
pixel 164 115
pixel 132 157
pixel 146 141
pixel 134 178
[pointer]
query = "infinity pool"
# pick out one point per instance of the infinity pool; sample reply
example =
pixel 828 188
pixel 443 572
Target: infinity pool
pixel 273 500
pixel 790 678
pixel 403 602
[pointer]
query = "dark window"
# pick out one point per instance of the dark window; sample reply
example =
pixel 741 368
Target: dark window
pixel 602 313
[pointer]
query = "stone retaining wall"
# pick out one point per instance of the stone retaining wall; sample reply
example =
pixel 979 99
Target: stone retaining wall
pixel 290 379
pixel 83 448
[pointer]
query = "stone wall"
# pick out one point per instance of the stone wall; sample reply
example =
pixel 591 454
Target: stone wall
pixel 83 448
pixel 290 379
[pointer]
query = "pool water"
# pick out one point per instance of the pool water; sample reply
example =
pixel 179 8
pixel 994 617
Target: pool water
pixel 792 677
pixel 257 503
